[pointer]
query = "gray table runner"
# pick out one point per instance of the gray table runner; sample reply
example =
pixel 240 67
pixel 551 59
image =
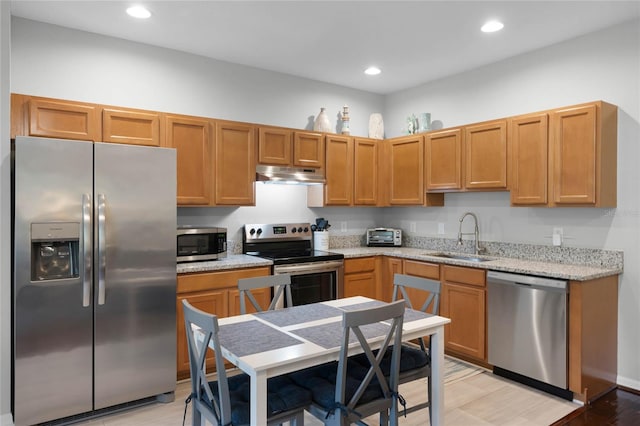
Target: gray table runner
pixel 330 335
pixel 299 314
pixel 250 337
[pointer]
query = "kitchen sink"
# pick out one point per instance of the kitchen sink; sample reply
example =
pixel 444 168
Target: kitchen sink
pixel 461 256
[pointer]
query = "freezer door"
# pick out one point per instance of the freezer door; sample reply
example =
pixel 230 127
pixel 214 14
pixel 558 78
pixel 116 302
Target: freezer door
pixel 135 273
pixel 52 313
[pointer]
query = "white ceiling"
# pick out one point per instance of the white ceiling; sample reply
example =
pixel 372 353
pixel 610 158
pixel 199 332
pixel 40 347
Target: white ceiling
pixel 334 41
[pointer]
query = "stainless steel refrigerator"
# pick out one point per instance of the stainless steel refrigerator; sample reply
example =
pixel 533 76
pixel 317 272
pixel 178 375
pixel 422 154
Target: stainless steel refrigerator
pixel 94 276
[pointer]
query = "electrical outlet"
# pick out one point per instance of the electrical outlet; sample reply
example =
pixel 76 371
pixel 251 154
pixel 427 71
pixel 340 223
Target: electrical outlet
pixel 440 228
pixel 343 226
pixel 558 233
pixel 412 226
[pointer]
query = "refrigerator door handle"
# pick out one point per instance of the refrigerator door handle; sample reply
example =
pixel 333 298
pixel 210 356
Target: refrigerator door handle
pixel 86 249
pixel 102 258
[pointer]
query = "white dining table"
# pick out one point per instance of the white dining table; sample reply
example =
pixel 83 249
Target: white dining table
pixel 272 343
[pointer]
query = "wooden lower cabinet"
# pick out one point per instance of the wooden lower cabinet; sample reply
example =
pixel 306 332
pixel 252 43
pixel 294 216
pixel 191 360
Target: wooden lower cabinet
pixel 463 300
pixel 360 278
pixel 216 293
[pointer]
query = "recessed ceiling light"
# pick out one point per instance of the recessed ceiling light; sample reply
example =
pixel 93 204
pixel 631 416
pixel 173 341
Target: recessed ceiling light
pixel 492 26
pixel 138 12
pixel 372 71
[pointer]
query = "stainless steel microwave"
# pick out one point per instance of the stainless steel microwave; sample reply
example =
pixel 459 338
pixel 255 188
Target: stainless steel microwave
pixel 384 237
pixel 199 244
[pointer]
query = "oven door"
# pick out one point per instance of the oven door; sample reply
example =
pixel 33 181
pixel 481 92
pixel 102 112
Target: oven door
pixel 314 281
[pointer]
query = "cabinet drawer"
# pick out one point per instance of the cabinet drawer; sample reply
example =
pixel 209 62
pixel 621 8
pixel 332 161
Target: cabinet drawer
pixel 462 275
pixel 422 269
pixel 215 280
pixel 362 264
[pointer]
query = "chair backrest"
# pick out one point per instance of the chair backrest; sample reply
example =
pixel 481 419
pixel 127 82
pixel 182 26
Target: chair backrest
pixel 402 282
pixel 280 283
pixel 352 321
pixel 201 391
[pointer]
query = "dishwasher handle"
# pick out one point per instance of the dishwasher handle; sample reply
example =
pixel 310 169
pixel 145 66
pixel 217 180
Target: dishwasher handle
pixel 526 280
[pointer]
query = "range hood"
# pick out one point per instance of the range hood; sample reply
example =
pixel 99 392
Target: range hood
pixel 288 175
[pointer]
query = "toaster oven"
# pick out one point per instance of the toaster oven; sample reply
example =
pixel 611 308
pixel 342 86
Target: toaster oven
pixel 384 237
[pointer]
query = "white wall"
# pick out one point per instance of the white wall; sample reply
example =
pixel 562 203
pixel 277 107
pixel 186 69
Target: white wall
pixel 599 66
pixel 92 68
pixel 5 218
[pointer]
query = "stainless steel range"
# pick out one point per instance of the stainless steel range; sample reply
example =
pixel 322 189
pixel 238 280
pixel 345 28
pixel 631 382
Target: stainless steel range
pixel 315 275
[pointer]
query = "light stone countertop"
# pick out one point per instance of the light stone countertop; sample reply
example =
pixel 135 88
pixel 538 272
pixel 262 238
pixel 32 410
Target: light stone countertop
pixel 232 261
pixel 506 264
pixel 544 269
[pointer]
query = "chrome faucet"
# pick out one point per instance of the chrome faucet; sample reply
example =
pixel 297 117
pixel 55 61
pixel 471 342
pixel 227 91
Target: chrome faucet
pixel 478 249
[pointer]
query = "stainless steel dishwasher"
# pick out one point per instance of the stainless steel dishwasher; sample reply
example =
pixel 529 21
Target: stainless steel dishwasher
pixel 527 330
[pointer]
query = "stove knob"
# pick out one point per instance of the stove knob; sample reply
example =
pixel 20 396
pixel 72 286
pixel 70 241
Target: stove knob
pixel 306 229
pixel 253 231
pixel 259 231
pixel 300 229
pixel 293 230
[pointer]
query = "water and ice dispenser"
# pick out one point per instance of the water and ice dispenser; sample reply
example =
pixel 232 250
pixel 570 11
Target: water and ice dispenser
pixel 54 250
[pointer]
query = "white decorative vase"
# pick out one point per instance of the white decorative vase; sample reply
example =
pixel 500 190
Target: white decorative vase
pixel 322 123
pixel 376 126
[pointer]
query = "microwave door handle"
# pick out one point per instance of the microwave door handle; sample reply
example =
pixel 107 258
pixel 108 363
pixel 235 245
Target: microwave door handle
pixel 86 249
pixel 102 257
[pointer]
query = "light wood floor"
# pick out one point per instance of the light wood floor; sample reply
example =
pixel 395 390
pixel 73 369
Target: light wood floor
pixel 480 400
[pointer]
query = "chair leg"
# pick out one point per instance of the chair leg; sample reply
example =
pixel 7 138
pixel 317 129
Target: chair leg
pixel 298 420
pixel 429 396
pixel 196 416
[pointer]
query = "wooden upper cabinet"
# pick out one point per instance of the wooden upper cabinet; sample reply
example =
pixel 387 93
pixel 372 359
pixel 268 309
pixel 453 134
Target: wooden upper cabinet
pixel 339 171
pixel 308 150
pixel 52 118
pixel 274 146
pixel 365 171
pixel 486 155
pixel 405 167
pixel 529 147
pixel 131 127
pixel 235 164
pixel 191 137
pixel 443 160
pixel 583 142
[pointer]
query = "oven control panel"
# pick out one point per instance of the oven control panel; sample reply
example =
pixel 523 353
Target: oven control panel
pixel 277 231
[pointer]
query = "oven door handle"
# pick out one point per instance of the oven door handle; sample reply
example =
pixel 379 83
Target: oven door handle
pixel 308 268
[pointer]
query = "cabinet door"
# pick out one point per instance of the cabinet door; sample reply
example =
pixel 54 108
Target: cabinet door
pixel 486 155
pixel 465 306
pixel 360 284
pixel 235 172
pixel 130 127
pixel 391 267
pixel 365 172
pixel 262 295
pixel 215 302
pixel 406 157
pixel 574 155
pixel 422 270
pixel 339 171
pixel 308 150
pixel 443 160
pixel 191 138
pixel 274 146
pixel 65 120
pixel 529 158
